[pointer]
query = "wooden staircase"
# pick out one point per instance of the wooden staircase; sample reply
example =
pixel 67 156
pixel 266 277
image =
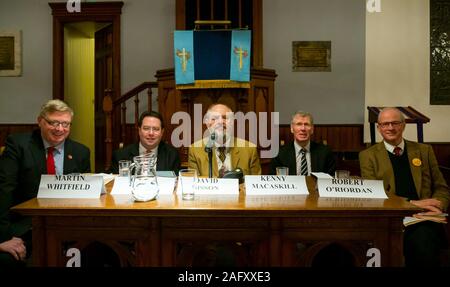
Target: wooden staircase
pixel 118 131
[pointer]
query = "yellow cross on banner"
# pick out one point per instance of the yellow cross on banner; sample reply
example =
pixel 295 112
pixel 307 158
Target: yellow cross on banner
pixel 242 54
pixel 184 57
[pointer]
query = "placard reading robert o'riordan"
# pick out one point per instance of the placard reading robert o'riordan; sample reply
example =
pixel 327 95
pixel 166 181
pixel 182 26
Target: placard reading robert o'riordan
pixel 71 186
pixel 351 187
pixel 275 184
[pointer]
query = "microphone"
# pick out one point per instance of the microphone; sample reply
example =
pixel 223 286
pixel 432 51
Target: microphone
pixel 211 140
pixel 209 149
pixel 237 173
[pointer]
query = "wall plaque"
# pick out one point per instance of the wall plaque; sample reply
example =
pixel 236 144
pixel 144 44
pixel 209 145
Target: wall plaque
pixel 10 53
pixel 311 56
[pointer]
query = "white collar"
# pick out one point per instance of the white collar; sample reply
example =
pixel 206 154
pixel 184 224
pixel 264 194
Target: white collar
pixel 390 148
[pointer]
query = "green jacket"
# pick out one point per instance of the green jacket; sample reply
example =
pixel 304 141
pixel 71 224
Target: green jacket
pixel 428 179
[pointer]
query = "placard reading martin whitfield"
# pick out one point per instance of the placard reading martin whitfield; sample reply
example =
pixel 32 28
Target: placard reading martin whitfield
pixel 71 186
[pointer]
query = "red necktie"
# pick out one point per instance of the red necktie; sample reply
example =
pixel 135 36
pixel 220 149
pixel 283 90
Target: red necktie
pixel 397 151
pixel 50 161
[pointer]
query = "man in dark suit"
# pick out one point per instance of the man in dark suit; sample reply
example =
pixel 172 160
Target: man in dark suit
pixel 410 170
pixel 151 131
pixel 25 158
pixel 303 156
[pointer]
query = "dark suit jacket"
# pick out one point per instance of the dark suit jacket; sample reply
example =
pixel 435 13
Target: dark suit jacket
pixel 322 159
pixel 428 179
pixel 168 157
pixel 21 166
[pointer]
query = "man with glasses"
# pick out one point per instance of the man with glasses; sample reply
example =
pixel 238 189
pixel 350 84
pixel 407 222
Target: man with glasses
pixel 151 131
pixel 410 170
pixel 26 157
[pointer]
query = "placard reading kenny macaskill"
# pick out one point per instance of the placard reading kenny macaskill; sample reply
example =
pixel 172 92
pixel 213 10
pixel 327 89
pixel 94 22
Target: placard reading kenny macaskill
pixel 275 184
pixel 71 186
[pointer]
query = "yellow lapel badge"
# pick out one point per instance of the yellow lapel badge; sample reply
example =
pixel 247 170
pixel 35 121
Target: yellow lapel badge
pixel 416 162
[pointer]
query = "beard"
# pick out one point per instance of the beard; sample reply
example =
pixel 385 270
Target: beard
pixel 222 135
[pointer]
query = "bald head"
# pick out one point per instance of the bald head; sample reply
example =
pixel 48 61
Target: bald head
pixel 393 111
pixel 219 118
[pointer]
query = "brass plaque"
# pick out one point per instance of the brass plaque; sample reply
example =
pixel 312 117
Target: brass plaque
pixel 10 54
pixel 6 53
pixel 311 56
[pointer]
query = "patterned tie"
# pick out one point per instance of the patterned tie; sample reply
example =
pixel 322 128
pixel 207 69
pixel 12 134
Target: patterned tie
pixel 398 151
pixel 302 165
pixel 222 155
pixel 50 161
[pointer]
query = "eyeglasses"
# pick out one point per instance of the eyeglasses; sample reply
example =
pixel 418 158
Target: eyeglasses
pixel 56 124
pixel 387 124
pixel 153 129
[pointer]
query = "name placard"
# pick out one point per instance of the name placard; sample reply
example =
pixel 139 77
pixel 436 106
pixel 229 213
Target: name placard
pixel 122 185
pixel 71 186
pixel 285 201
pixel 275 184
pixel 351 187
pixel 210 186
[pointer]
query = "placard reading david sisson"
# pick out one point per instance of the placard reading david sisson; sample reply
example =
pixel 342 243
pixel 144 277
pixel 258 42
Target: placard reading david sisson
pixel 275 184
pixel 351 187
pixel 71 186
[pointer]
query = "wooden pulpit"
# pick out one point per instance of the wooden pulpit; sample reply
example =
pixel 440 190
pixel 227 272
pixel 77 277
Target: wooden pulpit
pixel 254 96
pixel 412 116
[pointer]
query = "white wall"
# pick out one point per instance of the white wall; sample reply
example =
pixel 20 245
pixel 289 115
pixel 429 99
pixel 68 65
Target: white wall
pixel 395 70
pixel 21 97
pixel 397 65
pixel 146 26
pixel 332 97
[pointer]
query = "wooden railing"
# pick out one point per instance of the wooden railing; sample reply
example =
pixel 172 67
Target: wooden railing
pixel 116 116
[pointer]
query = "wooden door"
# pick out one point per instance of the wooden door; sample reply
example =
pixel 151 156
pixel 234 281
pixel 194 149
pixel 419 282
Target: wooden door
pixel 103 80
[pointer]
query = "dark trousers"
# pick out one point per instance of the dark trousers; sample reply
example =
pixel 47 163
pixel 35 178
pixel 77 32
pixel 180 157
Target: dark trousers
pixel 8 261
pixel 422 244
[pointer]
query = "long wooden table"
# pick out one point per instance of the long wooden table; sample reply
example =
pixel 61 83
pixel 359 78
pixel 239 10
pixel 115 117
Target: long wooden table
pixel 253 230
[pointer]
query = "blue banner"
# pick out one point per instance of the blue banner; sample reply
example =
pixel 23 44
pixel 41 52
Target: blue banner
pixel 240 56
pixel 184 57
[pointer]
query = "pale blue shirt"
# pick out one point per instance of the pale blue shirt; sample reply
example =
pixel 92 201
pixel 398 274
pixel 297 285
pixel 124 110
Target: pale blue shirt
pixel 58 156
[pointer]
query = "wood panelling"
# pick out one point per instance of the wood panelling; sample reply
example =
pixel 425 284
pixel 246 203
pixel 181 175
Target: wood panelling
pixel 442 151
pixel 341 138
pixel 7 129
pixel 345 141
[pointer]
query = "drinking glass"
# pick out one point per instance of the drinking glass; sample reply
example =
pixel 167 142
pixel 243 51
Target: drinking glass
pixel 282 170
pixel 188 179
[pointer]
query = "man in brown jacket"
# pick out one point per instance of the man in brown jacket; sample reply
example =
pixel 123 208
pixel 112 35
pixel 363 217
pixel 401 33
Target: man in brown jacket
pixel 410 170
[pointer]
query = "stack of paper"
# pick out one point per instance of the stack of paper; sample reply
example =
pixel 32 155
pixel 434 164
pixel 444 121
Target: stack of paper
pixel 416 218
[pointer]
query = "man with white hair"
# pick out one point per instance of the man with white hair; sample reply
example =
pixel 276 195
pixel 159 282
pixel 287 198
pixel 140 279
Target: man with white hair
pixel 410 170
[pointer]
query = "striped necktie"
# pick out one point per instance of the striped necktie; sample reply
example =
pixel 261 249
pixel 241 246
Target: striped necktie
pixel 302 165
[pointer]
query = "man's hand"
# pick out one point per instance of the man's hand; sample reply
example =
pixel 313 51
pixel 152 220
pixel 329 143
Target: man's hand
pixel 432 207
pixel 15 247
